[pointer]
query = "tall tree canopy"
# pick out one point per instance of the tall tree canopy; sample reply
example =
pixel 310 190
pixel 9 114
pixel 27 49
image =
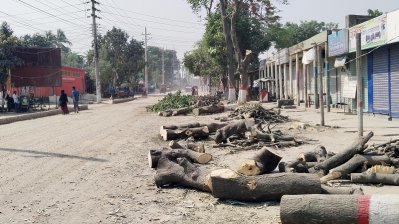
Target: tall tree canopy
pixel 374 13
pixel 8 45
pixel 290 34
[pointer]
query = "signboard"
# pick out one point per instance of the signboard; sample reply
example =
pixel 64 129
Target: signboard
pixel 338 43
pixel 393 27
pixel 373 33
pixel 308 56
pixel 349 88
pixel 283 57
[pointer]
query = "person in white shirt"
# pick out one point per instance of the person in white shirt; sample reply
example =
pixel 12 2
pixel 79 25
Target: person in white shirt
pixel 16 101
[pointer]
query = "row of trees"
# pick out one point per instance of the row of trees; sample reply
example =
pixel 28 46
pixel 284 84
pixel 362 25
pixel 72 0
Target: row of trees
pixel 236 32
pixel 121 58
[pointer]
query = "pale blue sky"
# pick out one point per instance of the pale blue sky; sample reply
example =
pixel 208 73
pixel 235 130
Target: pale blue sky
pixel 171 22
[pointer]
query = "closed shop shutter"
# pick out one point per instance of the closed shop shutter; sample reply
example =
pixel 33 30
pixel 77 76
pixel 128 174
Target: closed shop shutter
pixel 395 81
pixel 333 81
pixel 380 81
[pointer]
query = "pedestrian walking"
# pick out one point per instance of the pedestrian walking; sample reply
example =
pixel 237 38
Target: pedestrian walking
pixel 63 102
pixel 75 98
pixel 16 101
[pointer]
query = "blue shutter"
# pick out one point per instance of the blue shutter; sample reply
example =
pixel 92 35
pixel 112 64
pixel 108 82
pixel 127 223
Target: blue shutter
pixel 380 81
pixel 395 81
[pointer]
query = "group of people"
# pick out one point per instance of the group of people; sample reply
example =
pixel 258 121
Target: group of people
pixel 13 102
pixel 63 101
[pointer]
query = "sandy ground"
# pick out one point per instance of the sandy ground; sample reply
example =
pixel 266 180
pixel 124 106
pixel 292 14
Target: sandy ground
pixel 92 167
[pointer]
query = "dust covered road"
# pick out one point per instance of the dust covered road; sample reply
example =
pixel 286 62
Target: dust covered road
pixel 92 167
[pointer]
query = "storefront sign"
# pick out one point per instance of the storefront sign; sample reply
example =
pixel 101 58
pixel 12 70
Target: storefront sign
pixel 338 43
pixel 373 33
pixel 308 56
pixel 393 26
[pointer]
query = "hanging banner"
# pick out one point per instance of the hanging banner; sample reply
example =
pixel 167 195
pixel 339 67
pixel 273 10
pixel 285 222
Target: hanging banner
pixel 308 56
pixel 338 43
pixel 374 33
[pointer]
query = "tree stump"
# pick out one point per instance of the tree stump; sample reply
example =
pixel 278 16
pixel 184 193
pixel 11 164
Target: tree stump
pixel 334 209
pixel 227 184
pixel 264 161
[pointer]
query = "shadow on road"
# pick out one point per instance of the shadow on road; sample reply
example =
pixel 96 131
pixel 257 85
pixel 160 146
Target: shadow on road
pixel 53 154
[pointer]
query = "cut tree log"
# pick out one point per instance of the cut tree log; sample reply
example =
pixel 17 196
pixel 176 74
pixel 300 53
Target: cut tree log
pixel 154 155
pixel 175 145
pixel 168 134
pixel 375 178
pixel 340 158
pixel 340 190
pixel 351 165
pixel 182 126
pixel 297 166
pixel 264 161
pixel 213 109
pixel 228 184
pixel 166 113
pixel 182 111
pixel 213 127
pixel 182 173
pixel 198 133
pixel 196 147
pixel 318 154
pixel 333 209
pixel 235 128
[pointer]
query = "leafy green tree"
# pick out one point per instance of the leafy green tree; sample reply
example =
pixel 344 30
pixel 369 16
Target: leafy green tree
pixel 171 65
pixel 8 60
pixel 290 34
pixel 61 41
pixel 374 13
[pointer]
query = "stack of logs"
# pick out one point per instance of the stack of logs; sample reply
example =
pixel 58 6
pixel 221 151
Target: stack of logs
pixel 374 165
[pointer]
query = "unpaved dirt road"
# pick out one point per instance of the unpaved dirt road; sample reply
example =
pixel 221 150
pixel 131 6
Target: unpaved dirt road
pixel 92 167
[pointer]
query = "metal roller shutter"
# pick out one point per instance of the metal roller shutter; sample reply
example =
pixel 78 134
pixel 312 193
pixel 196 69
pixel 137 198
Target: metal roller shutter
pixel 380 81
pixel 395 81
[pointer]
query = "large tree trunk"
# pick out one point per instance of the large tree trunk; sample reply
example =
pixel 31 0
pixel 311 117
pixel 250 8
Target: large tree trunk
pixel 340 158
pixel 264 161
pixel 198 133
pixel 238 127
pixel 375 178
pixel 182 173
pixel 318 154
pixel 181 111
pixel 155 155
pixel 227 184
pixel 182 126
pixel 213 127
pixel 351 165
pixel 229 50
pixel 334 209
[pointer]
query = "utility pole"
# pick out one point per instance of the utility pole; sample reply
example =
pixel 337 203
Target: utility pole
pixel 359 85
pixel 315 78
pixel 327 73
pixel 320 76
pixel 96 69
pixel 163 66
pixel 146 61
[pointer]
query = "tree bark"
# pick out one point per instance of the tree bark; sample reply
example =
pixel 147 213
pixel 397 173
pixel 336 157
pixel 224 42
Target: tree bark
pixel 155 155
pixel 167 113
pixel 213 109
pixel 227 184
pixel 168 134
pixel 351 165
pixel 297 166
pixel 340 158
pixel 182 173
pixel 175 145
pixel 264 161
pixel 340 190
pixel 375 178
pixel 334 209
pixel 238 127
